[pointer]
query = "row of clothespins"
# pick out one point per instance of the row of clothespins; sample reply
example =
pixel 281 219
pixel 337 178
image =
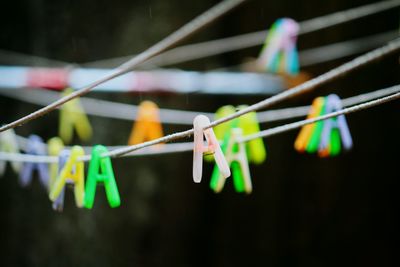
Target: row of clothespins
pixel 223 144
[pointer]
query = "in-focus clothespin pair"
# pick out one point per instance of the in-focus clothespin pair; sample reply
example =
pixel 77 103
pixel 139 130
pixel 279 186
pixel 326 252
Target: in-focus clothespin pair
pixel 100 171
pixel 325 137
pixel 35 146
pixel 72 115
pixel 279 53
pixel 147 125
pixel 236 156
pixel 9 144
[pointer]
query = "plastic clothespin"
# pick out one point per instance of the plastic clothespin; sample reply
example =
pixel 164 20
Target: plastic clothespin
pixel 58 203
pixel 315 137
pixel 73 171
pixel 256 151
pixel 306 131
pixel 72 115
pixel 35 146
pixel 235 154
pixel 9 143
pixel 279 53
pixel 212 146
pixel 147 125
pixel 54 146
pixel 101 170
pixel 335 130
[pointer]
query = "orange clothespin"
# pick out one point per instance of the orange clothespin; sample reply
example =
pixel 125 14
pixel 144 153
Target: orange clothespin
pixel 147 126
pixel 73 116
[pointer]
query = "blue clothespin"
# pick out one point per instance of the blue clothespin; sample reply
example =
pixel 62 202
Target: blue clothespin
pixel 58 204
pixel 35 146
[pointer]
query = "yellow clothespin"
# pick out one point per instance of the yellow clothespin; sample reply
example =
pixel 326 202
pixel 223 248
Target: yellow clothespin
pixel 54 147
pixel 9 143
pixel 73 170
pixel 73 116
pixel 147 125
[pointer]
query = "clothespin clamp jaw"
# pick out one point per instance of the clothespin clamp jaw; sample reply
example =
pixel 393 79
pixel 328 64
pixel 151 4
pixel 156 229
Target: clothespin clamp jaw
pixel 72 171
pixel 101 171
pixel 72 115
pixel 9 143
pixel 235 154
pixel 147 125
pixel 35 146
pixel 199 123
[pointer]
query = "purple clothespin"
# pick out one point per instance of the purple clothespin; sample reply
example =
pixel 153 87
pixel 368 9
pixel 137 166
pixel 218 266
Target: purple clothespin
pixel 58 204
pixel 333 103
pixel 35 146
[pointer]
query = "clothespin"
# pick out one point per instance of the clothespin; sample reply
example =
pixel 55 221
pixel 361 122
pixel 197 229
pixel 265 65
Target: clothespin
pixel 256 151
pixel 55 147
pixel 72 115
pixel 212 146
pixel 235 154
pixel 101 170
pixel 147 125
pixel 35 146
pixel 303 139
pixel 73 171
pixel 58 203
pixel 279 53
pixel 9 143
pixel 255 148
pixel 335 130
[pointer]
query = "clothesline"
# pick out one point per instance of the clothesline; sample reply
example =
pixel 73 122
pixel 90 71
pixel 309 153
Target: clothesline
pixel 115 110
pixel 182 33
pixel 184 147
pixel 215 47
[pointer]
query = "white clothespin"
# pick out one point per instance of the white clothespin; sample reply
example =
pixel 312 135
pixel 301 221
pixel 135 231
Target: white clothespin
pixel 212 146
pixel 9 143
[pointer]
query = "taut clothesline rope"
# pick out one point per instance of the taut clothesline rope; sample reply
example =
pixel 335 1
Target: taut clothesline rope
pixel 188 29
pixel 183 147
pixel 302 88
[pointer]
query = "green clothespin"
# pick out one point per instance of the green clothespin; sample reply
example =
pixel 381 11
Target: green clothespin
pixel 235 154
pixel 313 143
pixel 100 170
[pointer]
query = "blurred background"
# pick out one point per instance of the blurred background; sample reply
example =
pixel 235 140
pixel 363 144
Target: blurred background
pixel 304 211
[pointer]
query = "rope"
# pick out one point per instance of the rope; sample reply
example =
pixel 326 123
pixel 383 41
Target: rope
pixel 182 33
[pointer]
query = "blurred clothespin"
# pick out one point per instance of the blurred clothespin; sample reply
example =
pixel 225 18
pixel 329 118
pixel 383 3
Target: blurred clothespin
pixel 279 53
pixel 55 147
pixel 72 115
pixel 147 125
pixel 235 154
pixel 9 143
pixel 73 171
pixel 212 146
pixel 101 170
pixel 335 130
pixel 256 151
pixel 303 139
pixel 35 146
pixel 58 203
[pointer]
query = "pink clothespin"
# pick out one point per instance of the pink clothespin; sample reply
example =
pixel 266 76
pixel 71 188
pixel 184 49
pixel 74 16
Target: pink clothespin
pixel 212 146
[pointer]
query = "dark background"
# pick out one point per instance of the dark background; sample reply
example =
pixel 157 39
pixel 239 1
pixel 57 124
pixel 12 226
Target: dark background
pixel 304 211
